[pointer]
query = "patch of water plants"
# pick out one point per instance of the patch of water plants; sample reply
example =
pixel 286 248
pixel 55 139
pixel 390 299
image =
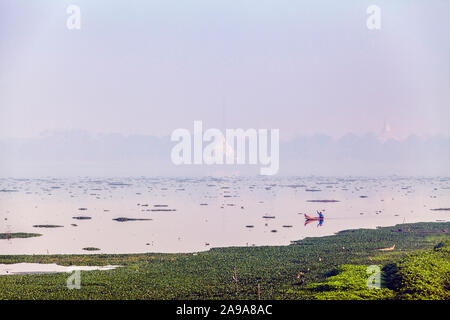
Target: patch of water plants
pixel 18 235
pixel 332 267
pixel 47 226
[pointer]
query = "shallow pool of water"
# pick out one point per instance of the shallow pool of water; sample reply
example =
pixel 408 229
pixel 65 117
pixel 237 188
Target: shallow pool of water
pixel 37 268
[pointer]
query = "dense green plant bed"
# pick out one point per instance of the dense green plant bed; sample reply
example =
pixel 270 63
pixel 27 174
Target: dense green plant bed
pixel 332 267
pixel 18 235
pixel 423 276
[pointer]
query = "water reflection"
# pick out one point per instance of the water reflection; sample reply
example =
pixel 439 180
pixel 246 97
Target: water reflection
pixel 320 218
pixel 319 224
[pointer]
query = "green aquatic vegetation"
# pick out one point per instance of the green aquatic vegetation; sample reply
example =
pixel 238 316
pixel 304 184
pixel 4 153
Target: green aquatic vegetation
pixel 443 246
pixel 122 219
pixel 47 226
pixel 437 237
pixel 18 235
pixel 348 283
pixel 387 256
pixel 346 277
pixel 282 272
pixel 425 275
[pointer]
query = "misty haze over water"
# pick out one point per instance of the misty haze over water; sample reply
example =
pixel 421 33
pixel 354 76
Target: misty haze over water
pixel 77 153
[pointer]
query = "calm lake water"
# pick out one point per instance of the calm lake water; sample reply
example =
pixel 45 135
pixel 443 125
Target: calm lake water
pixel 189 215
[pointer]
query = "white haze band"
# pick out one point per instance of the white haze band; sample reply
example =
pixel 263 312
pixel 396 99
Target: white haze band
pixel 228 149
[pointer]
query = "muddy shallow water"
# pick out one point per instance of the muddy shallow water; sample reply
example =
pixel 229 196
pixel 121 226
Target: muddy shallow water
pixel 134 215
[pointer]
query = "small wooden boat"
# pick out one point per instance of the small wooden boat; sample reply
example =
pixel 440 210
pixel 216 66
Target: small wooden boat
pixel 312 218
pixel 387 249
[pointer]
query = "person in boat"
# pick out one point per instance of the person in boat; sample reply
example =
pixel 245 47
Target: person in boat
pixel 320 215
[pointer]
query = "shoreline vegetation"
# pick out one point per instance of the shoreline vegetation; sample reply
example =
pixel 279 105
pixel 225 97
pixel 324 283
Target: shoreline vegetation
pixel 330 267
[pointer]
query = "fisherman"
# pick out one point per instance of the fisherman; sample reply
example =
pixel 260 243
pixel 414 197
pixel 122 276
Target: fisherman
pixel 320 215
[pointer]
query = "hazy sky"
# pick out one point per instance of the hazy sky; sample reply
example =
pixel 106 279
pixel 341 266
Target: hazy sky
pixel 149 67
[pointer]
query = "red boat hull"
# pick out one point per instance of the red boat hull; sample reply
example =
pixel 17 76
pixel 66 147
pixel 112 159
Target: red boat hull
pixel 312 218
